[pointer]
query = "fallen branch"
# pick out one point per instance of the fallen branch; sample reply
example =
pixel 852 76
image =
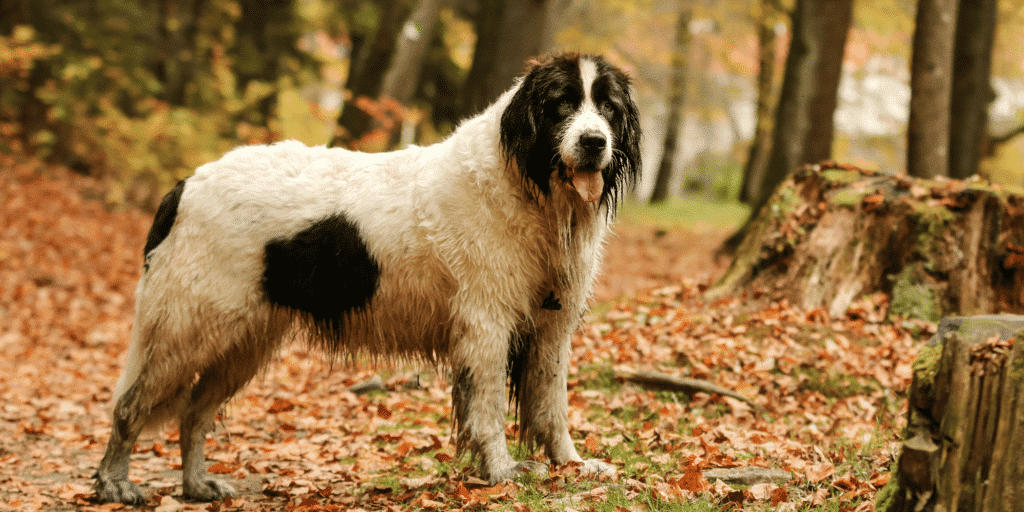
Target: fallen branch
pixel 374 383
pixel 995 141
pixel 748 475
pixel 658 380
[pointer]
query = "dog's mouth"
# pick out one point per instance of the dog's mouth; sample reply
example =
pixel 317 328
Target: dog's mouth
pixel 587 182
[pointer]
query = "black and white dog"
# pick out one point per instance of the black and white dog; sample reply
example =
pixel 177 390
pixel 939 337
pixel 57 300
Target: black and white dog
pixel 478 252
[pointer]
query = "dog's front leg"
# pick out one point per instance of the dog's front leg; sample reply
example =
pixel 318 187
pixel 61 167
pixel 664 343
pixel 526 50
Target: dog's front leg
pixel 479 402
pixel 544 395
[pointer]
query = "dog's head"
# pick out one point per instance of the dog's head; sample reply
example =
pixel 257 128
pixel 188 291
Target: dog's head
pixel 572 122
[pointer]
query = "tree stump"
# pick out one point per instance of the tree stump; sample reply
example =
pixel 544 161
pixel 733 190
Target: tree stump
pixel 965 421
pixel 833 233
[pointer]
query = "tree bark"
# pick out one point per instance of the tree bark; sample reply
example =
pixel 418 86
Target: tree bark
pixel 832 234
pixel 266 37
pixel 930 89
pixel 403 76
pixel 366 72
pixel 834 20
pixel 508 33
pixel 971 89
pixel 964 428
pixel 757 158
pixel 676 105
pixel 803 123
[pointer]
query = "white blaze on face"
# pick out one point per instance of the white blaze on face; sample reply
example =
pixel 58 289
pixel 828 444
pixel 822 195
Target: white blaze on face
pixel 588 183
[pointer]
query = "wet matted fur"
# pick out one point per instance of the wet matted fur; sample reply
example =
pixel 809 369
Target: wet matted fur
pixel 477 252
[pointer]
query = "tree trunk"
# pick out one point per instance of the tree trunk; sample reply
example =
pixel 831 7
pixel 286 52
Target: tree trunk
pixel 757 159
pixel 676 104
pixel 403 75
pixel 971 90
pixel 964 424
pixel 266 36
pixel 366 72
pixel 834 20
pixel 803 123
pixel 508 33
pixel 832 234
pixel 930 89
pixel 180 53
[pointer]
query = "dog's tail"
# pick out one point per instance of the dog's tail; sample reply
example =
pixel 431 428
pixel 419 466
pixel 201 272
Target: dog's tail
pixel 132 368
pixel 163 222
pixel 158 411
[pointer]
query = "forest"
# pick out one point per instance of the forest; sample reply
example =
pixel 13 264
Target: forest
pixel 824 182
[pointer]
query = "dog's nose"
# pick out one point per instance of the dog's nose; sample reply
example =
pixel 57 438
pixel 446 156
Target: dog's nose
pixel 593 141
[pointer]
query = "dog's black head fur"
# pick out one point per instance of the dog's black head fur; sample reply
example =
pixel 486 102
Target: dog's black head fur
pixel 548 97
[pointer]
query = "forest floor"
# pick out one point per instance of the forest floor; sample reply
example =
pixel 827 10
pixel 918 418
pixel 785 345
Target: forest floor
pixel 825 397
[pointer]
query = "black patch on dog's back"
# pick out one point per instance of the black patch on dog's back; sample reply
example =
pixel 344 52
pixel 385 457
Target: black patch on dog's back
pixel 324 271
pixel 166 214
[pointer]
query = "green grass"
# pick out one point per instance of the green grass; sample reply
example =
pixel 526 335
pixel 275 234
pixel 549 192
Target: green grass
pixel 684 212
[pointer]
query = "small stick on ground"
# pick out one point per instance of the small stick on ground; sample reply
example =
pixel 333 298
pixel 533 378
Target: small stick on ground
pixel 658 380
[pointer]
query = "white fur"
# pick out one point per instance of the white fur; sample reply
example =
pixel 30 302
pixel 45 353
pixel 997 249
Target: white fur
pixel 586 120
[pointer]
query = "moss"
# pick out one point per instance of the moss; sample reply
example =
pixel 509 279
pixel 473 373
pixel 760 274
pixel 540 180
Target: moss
pixel 926 364
pixel 932 220
pixel 914 299
pixel 848 197
pixel 883 500
pixel 841 176
pixel 784 202
pixel 1016 362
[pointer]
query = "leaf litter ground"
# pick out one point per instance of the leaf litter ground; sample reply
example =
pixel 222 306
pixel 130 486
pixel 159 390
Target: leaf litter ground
pixel 826 395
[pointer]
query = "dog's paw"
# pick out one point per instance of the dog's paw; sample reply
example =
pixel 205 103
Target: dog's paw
pixel 208 489
pixel 596 468
pixel 519 470
pixel 118 491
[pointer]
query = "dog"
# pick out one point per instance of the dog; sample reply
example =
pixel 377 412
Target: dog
pixel 477 253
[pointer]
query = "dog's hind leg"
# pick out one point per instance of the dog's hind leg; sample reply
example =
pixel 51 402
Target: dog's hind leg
pixel 216 384
pixel 147 393
pixel 112 484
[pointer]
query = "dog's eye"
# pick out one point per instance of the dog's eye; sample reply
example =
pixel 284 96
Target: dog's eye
pixel 565 108
pixel 606 108
pixel 560 107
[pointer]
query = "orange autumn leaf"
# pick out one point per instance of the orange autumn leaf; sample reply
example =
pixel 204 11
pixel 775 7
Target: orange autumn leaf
pixel 220 469
pixel 281 405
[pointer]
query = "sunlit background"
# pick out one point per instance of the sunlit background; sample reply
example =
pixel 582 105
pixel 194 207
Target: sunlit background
pixel 141 93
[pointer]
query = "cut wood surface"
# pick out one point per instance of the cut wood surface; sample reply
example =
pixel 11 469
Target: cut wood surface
pixel 834 233
pixel 965 421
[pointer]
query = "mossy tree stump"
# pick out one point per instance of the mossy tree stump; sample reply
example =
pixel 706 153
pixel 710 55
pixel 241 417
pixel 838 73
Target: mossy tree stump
pixel 834 233
pixel 964 439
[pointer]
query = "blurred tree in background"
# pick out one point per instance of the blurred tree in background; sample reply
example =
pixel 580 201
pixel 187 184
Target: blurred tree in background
pixel 804 117
pixel 757 158
pixel 931 84
pixel 676 99
pixel 971 92
pixel 139 93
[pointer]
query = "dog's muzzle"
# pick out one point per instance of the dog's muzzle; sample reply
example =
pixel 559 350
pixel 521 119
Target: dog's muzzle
pixel 591 157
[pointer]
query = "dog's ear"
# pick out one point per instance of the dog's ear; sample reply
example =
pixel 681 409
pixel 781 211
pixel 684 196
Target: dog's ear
pixel 629 137
pixel 626 162
pixel 520 140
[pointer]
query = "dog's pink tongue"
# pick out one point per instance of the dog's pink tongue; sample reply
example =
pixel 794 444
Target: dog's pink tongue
pixel 588 185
